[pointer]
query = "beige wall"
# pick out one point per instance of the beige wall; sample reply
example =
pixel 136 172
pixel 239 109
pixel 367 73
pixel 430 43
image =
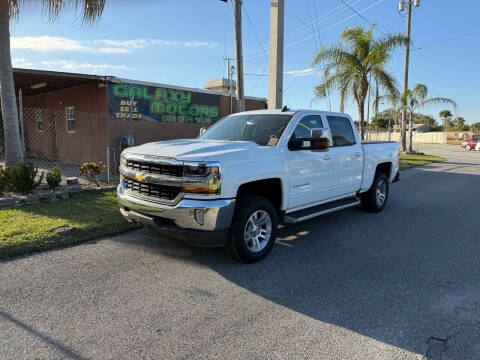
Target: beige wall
pixel 418 138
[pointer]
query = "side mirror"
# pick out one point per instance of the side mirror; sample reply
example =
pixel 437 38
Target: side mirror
pixel 203 131
pixel 319 140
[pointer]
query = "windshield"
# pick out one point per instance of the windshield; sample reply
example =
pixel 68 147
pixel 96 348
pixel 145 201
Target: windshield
pixel 263 129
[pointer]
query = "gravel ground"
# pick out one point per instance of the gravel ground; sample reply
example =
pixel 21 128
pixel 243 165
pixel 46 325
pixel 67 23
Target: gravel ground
pixel 402 284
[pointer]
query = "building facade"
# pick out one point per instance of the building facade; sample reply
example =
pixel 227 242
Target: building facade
pixel 74 118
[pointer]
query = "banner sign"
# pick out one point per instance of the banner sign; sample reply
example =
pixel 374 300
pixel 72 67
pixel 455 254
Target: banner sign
pixel 150 103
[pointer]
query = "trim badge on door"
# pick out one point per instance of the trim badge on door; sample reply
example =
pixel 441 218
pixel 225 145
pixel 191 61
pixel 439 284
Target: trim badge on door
pixel 301 185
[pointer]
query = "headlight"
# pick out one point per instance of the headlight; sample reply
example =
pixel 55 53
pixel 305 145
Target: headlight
pixel 202 178
pixel 123 161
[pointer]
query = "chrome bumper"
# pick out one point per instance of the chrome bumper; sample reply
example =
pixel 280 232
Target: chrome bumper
pixel 200 215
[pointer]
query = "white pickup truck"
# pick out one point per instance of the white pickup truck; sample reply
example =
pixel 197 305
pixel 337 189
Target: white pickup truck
pixel 249 172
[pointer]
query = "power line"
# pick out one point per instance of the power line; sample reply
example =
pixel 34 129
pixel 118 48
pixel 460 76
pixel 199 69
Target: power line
pixel 306 27
pixel 295 17
pixel 316 23
pixel 395 23
pixel 361 16
pixel 305 23
pixel 446 40
pixel 312 24
pixel 325 17
pixel 254 31
pixel 259 41
pixel 337 23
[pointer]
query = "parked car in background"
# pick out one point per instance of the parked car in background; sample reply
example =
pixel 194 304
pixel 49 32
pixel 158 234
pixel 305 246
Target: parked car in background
pixel 469 144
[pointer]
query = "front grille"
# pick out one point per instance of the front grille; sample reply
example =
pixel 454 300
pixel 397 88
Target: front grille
pixel 153 168
pixel 153 190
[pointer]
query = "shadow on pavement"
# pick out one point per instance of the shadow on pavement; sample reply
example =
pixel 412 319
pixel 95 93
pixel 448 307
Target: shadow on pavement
pixel 383 275
pixel 65 350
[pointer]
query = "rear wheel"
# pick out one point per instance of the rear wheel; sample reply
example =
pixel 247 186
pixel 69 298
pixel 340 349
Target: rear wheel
pixel 468 147
pixel 254 229
pixel 375 199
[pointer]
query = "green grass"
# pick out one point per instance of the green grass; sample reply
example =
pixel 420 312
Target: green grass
pixel 29 228
pixel 409 161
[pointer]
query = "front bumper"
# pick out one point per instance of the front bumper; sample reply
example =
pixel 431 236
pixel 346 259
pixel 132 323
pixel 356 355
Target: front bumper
pixel 200 222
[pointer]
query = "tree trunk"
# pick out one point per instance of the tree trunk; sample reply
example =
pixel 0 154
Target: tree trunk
pixel 403 131
pixel 410 134
pixel 361 117
pixel 13 147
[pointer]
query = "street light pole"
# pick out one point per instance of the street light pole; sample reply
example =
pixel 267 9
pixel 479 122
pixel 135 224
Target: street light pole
pixel 275 77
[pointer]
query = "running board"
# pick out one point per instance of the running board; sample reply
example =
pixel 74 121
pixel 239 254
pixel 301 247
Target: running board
pixel 323 209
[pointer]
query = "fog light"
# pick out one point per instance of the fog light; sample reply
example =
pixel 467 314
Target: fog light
pixel 199 216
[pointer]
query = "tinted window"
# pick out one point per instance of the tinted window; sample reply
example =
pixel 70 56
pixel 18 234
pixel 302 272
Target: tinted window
pixel 304 127
pixel 342 133
pixel 264 129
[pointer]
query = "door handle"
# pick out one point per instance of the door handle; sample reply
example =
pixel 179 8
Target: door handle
pixel 358 153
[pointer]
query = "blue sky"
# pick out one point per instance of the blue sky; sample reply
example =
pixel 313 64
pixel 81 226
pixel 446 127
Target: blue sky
pixel 183 42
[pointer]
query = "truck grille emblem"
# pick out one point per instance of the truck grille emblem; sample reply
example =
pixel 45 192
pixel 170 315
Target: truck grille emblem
pixel 140 177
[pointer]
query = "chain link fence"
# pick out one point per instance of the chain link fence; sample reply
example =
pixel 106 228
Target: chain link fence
pixel 66 138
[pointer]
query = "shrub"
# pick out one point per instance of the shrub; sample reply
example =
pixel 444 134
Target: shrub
pixel 54 177
pixel 92 170
pixel 22 177
pixel 4 179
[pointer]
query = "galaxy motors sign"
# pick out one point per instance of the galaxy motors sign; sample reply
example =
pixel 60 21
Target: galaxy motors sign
pixel 150 103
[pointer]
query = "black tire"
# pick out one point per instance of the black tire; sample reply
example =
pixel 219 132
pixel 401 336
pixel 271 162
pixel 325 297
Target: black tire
pixel 238 244
pixel 370 199
pixel 468 147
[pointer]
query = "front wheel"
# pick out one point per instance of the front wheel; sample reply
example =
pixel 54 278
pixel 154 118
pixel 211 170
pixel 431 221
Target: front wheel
pixel 468 147
pixel 254 229
pixel 375 199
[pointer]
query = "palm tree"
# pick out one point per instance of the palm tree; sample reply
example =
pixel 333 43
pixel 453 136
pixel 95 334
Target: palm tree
pixel 9 9
pixel 349 65
pixel 445 115
pixel 416 99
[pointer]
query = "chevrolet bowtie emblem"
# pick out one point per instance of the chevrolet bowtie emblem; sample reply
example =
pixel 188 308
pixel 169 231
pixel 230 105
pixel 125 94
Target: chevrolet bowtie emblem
pixel 140 177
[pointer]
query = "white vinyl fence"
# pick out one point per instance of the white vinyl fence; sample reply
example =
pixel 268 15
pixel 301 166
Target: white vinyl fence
pixel 418 138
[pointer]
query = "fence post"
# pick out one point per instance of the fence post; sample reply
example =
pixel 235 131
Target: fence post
pixel 108 164
pixel 22 129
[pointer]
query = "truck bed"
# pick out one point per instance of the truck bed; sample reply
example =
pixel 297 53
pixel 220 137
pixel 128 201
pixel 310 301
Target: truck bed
pixel 377 142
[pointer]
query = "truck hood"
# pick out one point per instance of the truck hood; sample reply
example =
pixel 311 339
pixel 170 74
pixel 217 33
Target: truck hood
pixel 194 149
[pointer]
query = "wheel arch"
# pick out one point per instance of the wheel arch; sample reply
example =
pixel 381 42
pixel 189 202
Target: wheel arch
pixel 270 189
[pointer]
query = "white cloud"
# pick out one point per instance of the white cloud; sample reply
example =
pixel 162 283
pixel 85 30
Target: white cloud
pixel 21 63
pixel 302 72
pixel 102 46
pixel 47 43
pixel 69 66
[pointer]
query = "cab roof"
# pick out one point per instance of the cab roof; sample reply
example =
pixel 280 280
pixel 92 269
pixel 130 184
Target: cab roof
pixel 289 112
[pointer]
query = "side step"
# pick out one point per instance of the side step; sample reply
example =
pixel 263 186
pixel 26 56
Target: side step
pixel 322 209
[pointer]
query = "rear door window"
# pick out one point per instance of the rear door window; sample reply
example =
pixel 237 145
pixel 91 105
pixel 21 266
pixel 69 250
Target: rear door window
pixel 341 129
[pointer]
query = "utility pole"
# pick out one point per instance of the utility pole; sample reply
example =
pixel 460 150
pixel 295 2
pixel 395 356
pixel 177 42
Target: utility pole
pixel 239 55
pixel 230 81
pixel 403 128
pixel 275 77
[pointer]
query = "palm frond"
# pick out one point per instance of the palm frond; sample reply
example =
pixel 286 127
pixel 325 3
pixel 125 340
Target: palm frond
pixel 420 91
pixel 91 10
pixel 387 82
pixel 440 101
pixel 13 9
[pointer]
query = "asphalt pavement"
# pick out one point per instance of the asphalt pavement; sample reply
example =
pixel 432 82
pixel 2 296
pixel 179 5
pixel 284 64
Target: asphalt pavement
pixel 402 284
